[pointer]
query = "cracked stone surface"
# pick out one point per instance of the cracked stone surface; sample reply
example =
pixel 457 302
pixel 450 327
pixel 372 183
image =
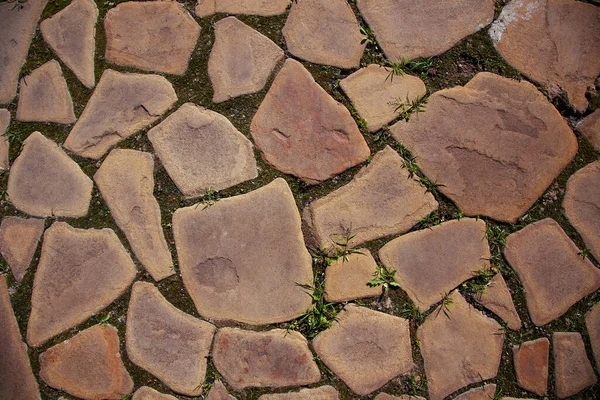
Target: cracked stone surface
pixel 147 393
pixel 219 392
pixel 590 128
pixel 320 393
pixel 592 322
pixel 264 8
pixel 498 300
pixel 18 241
pixel 365 348
pixel 486 392
pixel 572 367
pixel 505 130
pixel 551 270
pixel 531 365
pixel 4 145
pixel 346 280
pixel 121 105
pixel 301 130
pixel 201 149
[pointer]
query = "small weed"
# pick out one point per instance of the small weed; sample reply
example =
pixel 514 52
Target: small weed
pixel 431 220
pixel 411 165
pixel 411 312
pixel 512 337
pixel 341 247
pixel 431 186
pixel 369 38
pixel 104 321
pixel 405 66
pixel 382 135
pixel 585 253
pixel 384 277
pixel 12 137
pixel 126 397
pixel 445 306
pixel 18 3
pixel 415 385
pixel 480 282
pixel 406 108
pixel 209 199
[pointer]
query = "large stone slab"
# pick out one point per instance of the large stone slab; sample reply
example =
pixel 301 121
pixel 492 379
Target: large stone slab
pixel 485 392
pixel 551 270
pixel 4 144
pixel 81 271
pixel 592 322
pixel 531 365
pixel 18 241
pixel 496 298
pixel 121 105
pixel 218 391
pixel 320 393
pixel 264 8
pixel 301 130
pixel 590 128
pixel 572 367
pixel 201 149
pixel 242 258
pixel 365 348
pixel 505 130
pixel 147 393
pixel 346 278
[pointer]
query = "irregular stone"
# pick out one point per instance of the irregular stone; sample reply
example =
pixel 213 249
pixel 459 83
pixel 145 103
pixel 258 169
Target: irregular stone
pixel 301 130
pixel 121 105
pixel 4 145
pixel 548 41
pixel 81 271
pixel 241 60
pixel 531 365
pixel 374 93
pixel 346 279
pixel 461 249
pixel 275 358
pixel 264 8
pixel 460 348
pixel 71 34
pixel 320 393
pixel 590 128
pixel 572 367
pixel 324 32
pixel 147 393
pixel 18 241
pixel 165 341
pixel 385 396
pixel 88 365
pixel 44 96
pixel 45 182
pixel 365 348
pixel 381 200
pixel 498 300
pixel 406 29
pixel 486 392
pixel 126 182
pixel 219 392
pixel 242 258
pixel 155 36
pixel 505 130
pixel 551 270
pixel 201 149
pixel 592 322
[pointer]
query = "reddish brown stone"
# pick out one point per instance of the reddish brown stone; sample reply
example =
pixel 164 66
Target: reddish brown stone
pixel 572 367
pixel 265 8
pixel 219 392
pixel 147 393
pixel 385 396
pixel 531 365
pixel 590 128
pixel 592 322
pixel 486 392
pixel 320 393
pixel 19 239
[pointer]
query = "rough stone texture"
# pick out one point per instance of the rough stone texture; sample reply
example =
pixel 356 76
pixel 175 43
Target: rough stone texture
pixel 553 273
pixel 498 300
pixel 165 341
pixel 572 367
pixel 385 396
pixel 320 393
pixel 365 348
pixel 301 130
pixel 549 42
pixel 275 358
pixel 154 36
pixel 324 32
pixel 88 365
pixel 459 349
pixel 434 261
pixel 241 60
pixel 592 322
pixel 71 34
pixel 147 393
pixel 81 271
pixel 374 93
pixel 531 365
pixel 201 149
pixel 121 105
pixel 346 280
pixel 410 29
pixel 241 258
pixel 494 135
pixel 590 128
pixel 4 145
pixel 45 182
pixel 219 392
pixel 486 392
pixel 263 8
pixel 381 200
pixel 126 182
pixel 18 241
pixel 44 96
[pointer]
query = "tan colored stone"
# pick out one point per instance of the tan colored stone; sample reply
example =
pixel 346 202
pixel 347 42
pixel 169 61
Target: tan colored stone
pixel 71 34
pixel 590 128
pixel 432 262
pixel 121 105
pixel 219 392
pixel 301 130
pixel 275 358
pixel 531 365
pixel 346 279
pixel 498 300
pixel 381 200
pixel 201 149
pixel 264 8
pixel 88 365
pixel 494 135
pixel 320 393
pixel 572 367
pixel 551 270
pixel 147 393
pixel 126 182
pixel 81 271
pixel 4 145
pixel 365 348
pixel 18 241
pixel 486 392
pixel 385 396
pixel 592 322
pixel 374 93
pixel 45 182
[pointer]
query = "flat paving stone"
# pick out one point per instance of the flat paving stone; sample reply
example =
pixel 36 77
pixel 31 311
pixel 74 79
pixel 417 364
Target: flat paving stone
pixel 264 8
pixel 275 358
pixel 147 393
pixel 126 182
pixel 4 144
pixel 432 262
pixel 46 182
pixel 155 36
pixel 548 41
pixel 88 365
pixel 218 391
pixel 460 348
pixel 551 270
pixel 365 348
pixel 241 258
pixel 505 130
pixel 486 392
pixel 18 241
pixel 374 93
pixel 81 271
pixel 301 130
pixel 592 322
pixel 531 365
pixel 590 128
pixel 498 300
pixel 165 341
pixel 201 149
pixel 381 200
pixel 320 393
pixel 71 33
pixel 121 105
pixel 572 367
pixel 241 60
pixel 385 396
pixel 346 279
